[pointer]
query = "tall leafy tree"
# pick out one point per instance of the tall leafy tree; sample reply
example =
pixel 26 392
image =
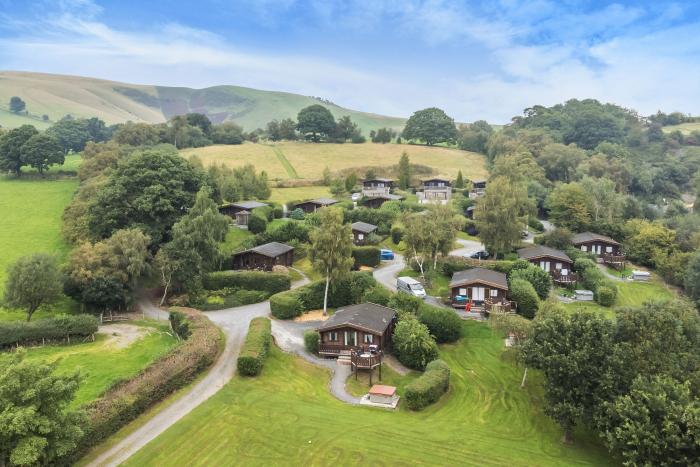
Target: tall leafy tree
pixel 404 171
pixel 73 134
pixel 36 425
pixel 560 161
pixel 32 282
pixel 332 248
pixel 315 122
pixel 570 206
pixel 431 126
pixel 17 105
pixel 11 148
pixel 42 151
pixel 346 129
pixel 459 182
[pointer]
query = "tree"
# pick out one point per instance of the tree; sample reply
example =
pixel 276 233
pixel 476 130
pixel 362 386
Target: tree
pixel 606 203
pixel 36 426
pixel 227 133
pixel 692 277
pixel 337 187
pixel 413 344
pixel 525 295
pixel 518 330
pixel 459 183
pixel 559 238
pixel 42 151
pixel 539 278
pixel 32 282
pixel 647 240
pixel 315 122
pixel 150 190
pixel 350 182
pixel 72 135
pixel 404 171
pixel 17 105
pixel 501 215
pixel 201 121
pixel 257 224
pixel 560 161
pixel 11 148
pixel 569 206
pixel 475 136
pixel 331 248
pixel 382 135
pixel 346 129
pixel 137 134
pixel 431 125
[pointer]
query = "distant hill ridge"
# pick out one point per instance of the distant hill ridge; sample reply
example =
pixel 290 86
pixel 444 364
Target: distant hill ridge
pixel 115 102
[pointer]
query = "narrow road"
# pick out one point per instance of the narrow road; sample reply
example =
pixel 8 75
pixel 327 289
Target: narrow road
pixel 234 323
pixel 387 272
pixel 467 248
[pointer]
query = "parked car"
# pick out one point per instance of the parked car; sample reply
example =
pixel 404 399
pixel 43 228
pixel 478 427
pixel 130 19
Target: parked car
pixel 356 196
pixel 410 286
pixel 483 254
pixel 386 255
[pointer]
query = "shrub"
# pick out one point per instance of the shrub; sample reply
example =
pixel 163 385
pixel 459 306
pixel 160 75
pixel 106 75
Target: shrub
pixel 179 324
pixel 534 223
pixel 366 256
pixel 249 280
pixel 297 214
pixel 312 340
pixel 405 303
pixel 413 344
pixel 231 299
pixel 444 324
pixel 377 294
pixel 539 278
pixel 525 296
pixel 14 333
pixel 429 387
pixel 287 232
pixel 127 400
pixel 266 212
pixel 277 212
pixel 606 296
pixel 286 305
pixel 396 235
pixel 257 224
pixel 255 347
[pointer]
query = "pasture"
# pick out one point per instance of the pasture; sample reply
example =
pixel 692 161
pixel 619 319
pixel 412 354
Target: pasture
pixel 685 128
pixel 283 195
pixel 308 160
pixel 286 416
pixel 118 354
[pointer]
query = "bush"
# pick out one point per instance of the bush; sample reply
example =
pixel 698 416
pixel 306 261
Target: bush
pixel 451 264
pixel 405 303
pixel 606 296
pixel 257 224
pixel 366 256
pixel 249 280
pixel 14 333
pixel 413 344
pixel 127 400
pixel 297 214
pixel 179 324
pixel 312 340
pixel 286 305
pixel 429 387
pixel 396 235
pixel 230 299
pixel 377 294
pixel 535 224
pixel 524 294
pixel 255 347
pixel 539 278
pixel 444 324
pixel 277 212
pixel 286 233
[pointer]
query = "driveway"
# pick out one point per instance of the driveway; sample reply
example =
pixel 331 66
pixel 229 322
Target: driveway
pixel 387 272
pixel 467 248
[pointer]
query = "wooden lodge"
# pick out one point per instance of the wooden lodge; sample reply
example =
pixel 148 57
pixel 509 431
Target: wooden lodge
pixel 605 248
pixel 484 288
pixel 357 329
pixel 555 262
pixel 240 211
pixel 376 201
pixel 435 190
pixel 376 187
pixel 360 232
pixel 313 205
pixel 264 257
pixel 478 189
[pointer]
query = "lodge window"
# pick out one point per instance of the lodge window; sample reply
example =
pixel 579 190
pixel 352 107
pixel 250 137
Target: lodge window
pixel 584 248
pixel 463 292
pixel 369 338
pixel 558 266
pixel 494 293
pixel 333 336
pixel 608 249
pixel 360 236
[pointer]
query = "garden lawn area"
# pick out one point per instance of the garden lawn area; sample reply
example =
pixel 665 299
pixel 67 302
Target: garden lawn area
pixel 234 239
pixel 438 284
pixel 286 416
pixel 360 386
pixel 300 193
pixel 305 266
pixel 103 362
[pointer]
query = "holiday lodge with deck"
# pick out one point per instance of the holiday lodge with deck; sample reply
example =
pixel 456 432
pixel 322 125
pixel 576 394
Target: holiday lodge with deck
pixel 605 248
pixel 356 328
pixel 264 257
pixel 555 262
pixel 482 287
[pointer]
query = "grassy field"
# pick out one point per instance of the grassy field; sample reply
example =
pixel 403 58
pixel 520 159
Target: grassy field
pixel 234 238
pixel 30 218
pixel 287 417
pixel 308 160
pixel 685 128
pixel 103 362
pixel 283 195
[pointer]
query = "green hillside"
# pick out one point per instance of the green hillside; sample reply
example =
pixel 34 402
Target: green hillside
pixel 114 102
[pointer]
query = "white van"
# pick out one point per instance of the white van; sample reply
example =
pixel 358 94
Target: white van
pixel 410 286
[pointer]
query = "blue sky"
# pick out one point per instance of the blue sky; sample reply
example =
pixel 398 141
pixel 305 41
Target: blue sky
pixel 474 59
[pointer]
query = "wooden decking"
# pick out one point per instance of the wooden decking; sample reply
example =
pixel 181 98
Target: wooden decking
pixel 568 279
pixel 499 306
pixel 615 261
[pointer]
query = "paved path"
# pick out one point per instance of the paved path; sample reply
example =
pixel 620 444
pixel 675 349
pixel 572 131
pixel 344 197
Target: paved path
pixel 467 248
pixel 387 272
pixel 234 323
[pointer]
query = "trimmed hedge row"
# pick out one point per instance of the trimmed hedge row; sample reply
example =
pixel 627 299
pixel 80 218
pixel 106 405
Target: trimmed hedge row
pixel 444 324
pixel 255 348
pixel 451 264
pixel 366 256
pixel 13 333
pixel 249 280
pixel 347 291
pixel 238 298
pixel 127 400
pixel 429 387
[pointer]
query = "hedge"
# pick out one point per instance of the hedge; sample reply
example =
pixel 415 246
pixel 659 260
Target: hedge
pixel 312 340
pixel 14 333
pixel 233 299
pixel 429 387
pixel 249 280
pixel 257 224
pixel 525 295
pixel 451 264
pixel 366 256
pixel 255 347
pixel 127 400
pixel 539 278
pixel 413 344
pixel 606 296
pixel 286 305
pixel 444 324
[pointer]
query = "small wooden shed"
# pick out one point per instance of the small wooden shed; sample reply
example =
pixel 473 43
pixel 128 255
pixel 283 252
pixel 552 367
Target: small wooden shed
pixel 264 257
pixel 360 231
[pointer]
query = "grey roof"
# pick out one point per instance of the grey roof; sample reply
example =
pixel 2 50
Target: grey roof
pixel 495 278
pixel 322 201
pixel 365 316
pixel 363 227
pixel 539 251
pixel 585 237
pixel 384 180
pixel 435 179
pixel 248 204
pixel 272 249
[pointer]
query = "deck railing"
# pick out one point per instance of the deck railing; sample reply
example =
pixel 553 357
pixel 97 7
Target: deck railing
pixel 565 279
pixel 363 360
pixel 499 306
pixel 614 260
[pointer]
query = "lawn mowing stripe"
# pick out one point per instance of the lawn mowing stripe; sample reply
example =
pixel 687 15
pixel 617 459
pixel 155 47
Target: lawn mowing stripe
pixel 285 162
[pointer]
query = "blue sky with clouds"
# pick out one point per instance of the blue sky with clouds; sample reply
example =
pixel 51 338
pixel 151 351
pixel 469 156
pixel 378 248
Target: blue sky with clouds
pixel 474 59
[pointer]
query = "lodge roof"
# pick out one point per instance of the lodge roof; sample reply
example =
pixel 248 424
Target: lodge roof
pixel 539 251
pixel 487 276
pixel 247 204
pixel 321 201
pixel 365 316
pixel 388 196
pixel 585 237
pixel 272 249
pixel 364 227
pixel 383 180
pixel 435 179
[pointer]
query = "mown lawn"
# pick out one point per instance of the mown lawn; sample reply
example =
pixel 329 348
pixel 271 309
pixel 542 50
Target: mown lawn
pixel 102 363
pixel 234 239
pixel 287 417
pixel 300 193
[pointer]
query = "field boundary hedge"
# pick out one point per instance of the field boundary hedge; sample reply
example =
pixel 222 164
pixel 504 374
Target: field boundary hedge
pixel 429 387
pixel 269 282
pixel 255 348
pixel 127 400
pixel 43 331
